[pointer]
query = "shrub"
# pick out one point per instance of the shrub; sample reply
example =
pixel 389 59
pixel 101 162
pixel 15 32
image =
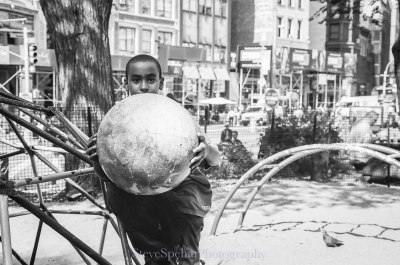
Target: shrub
pixel 292 131
pixel 236 161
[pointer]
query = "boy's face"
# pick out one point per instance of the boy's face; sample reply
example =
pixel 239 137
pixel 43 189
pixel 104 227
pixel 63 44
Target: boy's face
pixel 143 77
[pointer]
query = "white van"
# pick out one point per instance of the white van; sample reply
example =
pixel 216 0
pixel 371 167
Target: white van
pixel 257 113
pixel 357 107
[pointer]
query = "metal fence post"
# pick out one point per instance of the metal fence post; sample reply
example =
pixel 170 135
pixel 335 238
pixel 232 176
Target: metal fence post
pixel 89 119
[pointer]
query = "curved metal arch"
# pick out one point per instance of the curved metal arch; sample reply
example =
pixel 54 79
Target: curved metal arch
pixel 302 151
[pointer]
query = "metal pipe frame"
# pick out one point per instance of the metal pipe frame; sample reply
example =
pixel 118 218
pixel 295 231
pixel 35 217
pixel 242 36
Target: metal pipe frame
pixel 23 104
pixel 45 135
pixel 383 153
pixel 52 128
pixel 15 254
pixel 45 215
pixel 51 222
pixel 5 230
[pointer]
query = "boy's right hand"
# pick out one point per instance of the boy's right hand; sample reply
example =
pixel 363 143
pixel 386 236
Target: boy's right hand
pixel 91 151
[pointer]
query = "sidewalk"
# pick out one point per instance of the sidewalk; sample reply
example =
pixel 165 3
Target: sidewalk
pixel 281 227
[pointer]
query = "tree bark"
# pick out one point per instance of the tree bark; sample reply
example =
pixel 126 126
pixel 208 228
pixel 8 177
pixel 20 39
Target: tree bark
pixel 79 31
pixel 396 56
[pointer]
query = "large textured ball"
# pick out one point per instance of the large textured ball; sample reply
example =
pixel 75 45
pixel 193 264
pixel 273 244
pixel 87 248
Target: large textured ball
pixel 145 144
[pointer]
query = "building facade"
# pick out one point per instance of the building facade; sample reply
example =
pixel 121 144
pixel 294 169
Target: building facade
pixel 14 17
pixel 264 35
pixel 205 25
pixel 140 27
pixel 183 35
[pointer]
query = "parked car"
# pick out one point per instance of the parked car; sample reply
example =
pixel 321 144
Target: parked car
pixel 257 113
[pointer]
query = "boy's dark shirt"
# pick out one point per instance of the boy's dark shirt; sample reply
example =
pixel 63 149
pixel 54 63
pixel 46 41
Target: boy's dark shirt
pixel 153 222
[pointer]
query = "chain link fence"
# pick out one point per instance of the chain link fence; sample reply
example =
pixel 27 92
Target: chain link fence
pixel 19 166
pixel 257 141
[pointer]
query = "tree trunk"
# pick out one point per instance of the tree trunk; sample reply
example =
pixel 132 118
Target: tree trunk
pixel 79 32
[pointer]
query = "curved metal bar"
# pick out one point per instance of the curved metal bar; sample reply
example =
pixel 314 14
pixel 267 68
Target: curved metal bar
pixel 46 135
pixel 11 144
pixel 68 180
pixel 51 222
pixel 269 175
pixel 51 177
pixel 124 243
pixel 5 230
pixel 61 134
pixel 80 136
pixel 375 147
pixel 324 147
pixel 25 104
pixel 18 152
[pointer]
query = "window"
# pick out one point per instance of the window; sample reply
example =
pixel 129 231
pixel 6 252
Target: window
pixel 165 37
pixel 299 30
pixel 279 26
pixel 299 3
pixel 192 5
pixel 127 39
pixel 290 3
pixel 146 41
pixel 209 52
pixel 217 7
pixel 279 2
pixel 376 35
pixel 164 8
pixel 122 2
pixel 222 52
pixel 334 32
pixel 185 5
pixel 144 7
pixel 289 29
pixel 363 47
pixel 208 8
pixel 224 8
pixel 131 6
pixel 202 6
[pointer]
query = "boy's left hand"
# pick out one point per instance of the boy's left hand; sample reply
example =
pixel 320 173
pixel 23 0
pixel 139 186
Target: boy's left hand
pixel 200 152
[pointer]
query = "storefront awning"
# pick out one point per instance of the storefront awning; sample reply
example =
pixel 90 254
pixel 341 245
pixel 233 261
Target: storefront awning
pixel 190 72
pixel 206 73
pixel 222 74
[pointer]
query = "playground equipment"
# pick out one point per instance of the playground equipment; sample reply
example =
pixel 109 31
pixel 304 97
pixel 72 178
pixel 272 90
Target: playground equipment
pixel 73 142
pixel 382 153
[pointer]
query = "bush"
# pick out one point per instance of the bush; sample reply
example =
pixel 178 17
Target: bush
pixel 292 131
pixel 236 161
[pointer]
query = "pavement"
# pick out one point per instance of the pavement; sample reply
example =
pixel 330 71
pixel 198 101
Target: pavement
pixel 282 227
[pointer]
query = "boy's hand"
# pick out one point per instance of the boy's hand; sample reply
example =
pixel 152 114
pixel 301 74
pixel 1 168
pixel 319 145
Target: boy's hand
pixel 200 152
pixel 91 151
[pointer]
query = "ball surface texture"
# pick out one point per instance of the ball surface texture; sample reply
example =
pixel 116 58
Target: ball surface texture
pixel 145 144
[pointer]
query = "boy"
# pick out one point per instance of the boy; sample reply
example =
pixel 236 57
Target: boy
pixel 166 227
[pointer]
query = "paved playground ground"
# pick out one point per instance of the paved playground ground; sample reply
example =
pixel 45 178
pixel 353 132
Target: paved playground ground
pixel 281 227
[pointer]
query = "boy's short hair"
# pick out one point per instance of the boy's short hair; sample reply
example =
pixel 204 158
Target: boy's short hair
pixel 143 58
